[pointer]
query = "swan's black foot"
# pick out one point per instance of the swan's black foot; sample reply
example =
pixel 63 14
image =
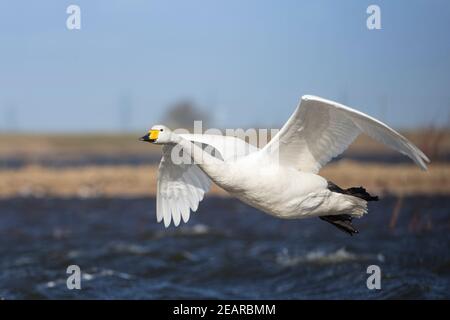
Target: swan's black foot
pixel 341 221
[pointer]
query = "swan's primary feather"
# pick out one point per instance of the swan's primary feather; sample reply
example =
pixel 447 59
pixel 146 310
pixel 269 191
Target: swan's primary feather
pixel 320 130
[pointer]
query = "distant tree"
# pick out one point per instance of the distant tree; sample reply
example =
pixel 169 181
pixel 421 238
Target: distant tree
pixel 183 114
pixel 125 109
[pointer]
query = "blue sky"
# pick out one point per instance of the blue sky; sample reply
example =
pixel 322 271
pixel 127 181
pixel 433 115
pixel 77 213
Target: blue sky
pixel 247 62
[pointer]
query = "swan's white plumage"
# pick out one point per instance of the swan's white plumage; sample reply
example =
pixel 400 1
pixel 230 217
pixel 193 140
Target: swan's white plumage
pixel 181 187
pixel 229 148
pixel 320 130
pixel 317 131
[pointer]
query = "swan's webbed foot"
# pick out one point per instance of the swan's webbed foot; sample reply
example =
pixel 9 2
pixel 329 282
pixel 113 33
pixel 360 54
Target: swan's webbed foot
pixel 341 221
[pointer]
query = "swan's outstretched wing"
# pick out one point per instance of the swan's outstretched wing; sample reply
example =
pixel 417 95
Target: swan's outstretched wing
pixel 320 129
pixel 181 186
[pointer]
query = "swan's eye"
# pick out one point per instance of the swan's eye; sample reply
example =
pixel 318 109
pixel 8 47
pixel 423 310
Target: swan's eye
pixel 161 130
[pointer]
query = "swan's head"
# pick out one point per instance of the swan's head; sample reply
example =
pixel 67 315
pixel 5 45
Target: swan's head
pixel 158 134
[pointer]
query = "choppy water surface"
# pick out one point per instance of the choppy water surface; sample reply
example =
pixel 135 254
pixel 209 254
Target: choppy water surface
pixel 228 250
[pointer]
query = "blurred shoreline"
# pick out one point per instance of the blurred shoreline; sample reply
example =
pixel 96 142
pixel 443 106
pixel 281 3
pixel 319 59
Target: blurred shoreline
pixel 140 180
pixel 118 165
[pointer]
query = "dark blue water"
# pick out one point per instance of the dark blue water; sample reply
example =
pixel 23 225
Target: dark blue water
pixel 17 162
pixel 227 250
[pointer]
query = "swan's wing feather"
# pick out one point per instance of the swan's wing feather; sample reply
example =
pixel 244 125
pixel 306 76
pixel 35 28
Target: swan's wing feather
pixel 180 188
pixel 320 130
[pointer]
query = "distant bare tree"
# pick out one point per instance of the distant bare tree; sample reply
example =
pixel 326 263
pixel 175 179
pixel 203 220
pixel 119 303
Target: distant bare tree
pixel 125 109
pixel 434 139
pixel 183 114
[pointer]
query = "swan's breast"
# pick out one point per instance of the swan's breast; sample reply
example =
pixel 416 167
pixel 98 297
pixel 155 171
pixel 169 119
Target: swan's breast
pixel 276 190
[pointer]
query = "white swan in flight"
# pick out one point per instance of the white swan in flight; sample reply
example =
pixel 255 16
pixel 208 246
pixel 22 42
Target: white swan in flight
pixel 281 178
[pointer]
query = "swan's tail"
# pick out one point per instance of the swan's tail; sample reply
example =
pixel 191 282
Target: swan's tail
pixel 358 192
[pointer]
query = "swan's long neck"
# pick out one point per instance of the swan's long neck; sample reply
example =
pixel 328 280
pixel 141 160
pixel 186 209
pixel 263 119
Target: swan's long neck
pixel 212 166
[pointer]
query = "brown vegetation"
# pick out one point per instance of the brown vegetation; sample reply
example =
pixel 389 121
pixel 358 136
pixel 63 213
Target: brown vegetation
pixel 127 180
pixel 135 181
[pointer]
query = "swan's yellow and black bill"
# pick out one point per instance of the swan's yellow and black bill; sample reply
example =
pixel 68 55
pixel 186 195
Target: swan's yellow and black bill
pixel 151 136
